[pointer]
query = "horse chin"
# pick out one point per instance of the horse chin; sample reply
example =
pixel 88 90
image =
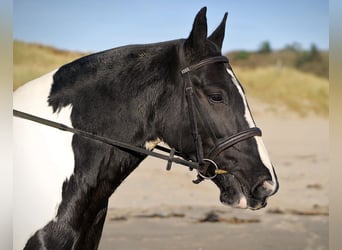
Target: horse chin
pixel 241 202
pixel 232 194
pixel 237 203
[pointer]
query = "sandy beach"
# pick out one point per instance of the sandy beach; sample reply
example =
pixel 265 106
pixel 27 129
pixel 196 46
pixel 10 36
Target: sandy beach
pixel 156 209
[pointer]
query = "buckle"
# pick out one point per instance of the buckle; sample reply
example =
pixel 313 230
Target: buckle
pixel 169 161
pixel 217 171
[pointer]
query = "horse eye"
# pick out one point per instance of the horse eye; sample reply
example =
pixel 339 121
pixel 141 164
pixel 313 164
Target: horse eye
pixel 216 98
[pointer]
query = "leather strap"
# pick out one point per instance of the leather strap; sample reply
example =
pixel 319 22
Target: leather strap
pixel 229 141
pixel 204 62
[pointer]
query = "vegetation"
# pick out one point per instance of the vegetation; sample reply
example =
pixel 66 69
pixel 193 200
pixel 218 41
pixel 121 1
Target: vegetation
pixel 292 77
pixel 297 91
pixel 265 48
pixel 33 60
pixel 312 61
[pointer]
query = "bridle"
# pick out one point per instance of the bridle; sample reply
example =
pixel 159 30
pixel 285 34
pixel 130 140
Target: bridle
pixel 201 164
pixel 221 144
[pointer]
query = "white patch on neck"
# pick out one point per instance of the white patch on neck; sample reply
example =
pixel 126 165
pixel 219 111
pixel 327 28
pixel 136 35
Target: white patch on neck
pixel 149 145
pixel 43 159
pixel 260 144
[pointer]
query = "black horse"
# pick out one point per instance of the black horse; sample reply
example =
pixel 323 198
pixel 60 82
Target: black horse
pixel 182 92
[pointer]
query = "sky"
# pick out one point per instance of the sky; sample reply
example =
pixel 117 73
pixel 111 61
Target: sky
pixel 90 26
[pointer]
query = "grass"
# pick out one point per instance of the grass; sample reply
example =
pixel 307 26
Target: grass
pixel 33 60
pixel 298 91
pixel 305 61
pixel 282 86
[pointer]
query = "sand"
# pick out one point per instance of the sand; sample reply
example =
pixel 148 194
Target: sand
pixel 156 209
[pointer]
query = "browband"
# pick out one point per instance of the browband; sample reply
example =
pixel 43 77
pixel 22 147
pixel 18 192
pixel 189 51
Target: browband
pixel 204 62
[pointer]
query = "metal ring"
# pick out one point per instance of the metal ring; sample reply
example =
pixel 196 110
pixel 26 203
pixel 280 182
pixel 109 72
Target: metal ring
pixel 209 177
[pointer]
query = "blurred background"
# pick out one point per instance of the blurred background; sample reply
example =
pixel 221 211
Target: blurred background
pixel 265 40
pixel 280 52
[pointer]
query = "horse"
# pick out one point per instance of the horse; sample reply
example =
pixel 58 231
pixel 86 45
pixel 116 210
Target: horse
pixel 183 93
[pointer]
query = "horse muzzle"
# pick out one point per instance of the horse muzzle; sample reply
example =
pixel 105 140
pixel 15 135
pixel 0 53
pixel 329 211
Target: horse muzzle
pixel 234 194
pixel 221 145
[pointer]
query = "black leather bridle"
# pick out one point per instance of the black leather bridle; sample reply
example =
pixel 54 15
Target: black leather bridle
pixel 221 144
pixel 201 164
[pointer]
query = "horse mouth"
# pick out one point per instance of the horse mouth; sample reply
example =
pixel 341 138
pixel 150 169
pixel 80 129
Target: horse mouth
pixel 248 203
pixel 235 196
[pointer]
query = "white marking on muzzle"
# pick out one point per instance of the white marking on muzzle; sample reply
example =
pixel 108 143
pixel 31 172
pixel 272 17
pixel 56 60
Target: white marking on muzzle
pixel 260 144
pixel 243 202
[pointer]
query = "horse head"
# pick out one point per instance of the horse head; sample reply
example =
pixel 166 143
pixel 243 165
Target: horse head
pixel 217 110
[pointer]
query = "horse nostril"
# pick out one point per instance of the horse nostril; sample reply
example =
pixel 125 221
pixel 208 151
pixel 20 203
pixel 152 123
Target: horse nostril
pixel 265 189
pixel 268 185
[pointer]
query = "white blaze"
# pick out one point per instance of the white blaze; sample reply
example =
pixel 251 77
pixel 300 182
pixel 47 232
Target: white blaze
pixel 260 144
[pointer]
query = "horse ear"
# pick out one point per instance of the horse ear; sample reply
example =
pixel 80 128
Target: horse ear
pixel 218 35
pixel 198 35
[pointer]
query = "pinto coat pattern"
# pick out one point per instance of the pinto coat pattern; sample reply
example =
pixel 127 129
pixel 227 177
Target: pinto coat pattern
pixel 135 94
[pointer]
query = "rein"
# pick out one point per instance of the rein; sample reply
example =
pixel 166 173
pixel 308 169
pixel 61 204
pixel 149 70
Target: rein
pixel 201 165
pixel 114 143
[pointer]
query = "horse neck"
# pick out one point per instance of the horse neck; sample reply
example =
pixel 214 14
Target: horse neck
pixel 100 169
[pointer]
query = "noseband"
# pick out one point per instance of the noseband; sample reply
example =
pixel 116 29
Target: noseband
pixel 221 144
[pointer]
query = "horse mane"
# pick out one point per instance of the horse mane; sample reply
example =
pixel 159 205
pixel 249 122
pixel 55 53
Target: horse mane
pixel 111 70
